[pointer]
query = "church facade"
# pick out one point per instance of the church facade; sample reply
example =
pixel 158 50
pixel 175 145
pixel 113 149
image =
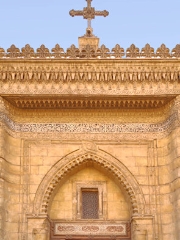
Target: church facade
pixel 90 142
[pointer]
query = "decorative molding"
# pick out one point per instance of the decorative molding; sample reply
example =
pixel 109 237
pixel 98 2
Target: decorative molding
pixel 139 77
pixel 148 115
pixel 92 70
pixel 25 177
pixel 89 127
pixel 107 116
pixel 95 228
pixel 96 130
pixel 103 52
pixel 103 160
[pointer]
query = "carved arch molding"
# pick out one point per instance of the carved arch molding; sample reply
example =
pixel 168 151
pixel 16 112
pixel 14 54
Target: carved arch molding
pixel 74 160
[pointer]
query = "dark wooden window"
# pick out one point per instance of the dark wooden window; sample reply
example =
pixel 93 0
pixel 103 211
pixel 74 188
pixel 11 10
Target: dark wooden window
pixel 90 204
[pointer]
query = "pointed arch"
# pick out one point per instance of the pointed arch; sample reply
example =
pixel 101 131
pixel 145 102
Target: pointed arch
pixel 106 161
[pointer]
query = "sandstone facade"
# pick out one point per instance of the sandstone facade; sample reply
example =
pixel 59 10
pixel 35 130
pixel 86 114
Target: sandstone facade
pixel 110 124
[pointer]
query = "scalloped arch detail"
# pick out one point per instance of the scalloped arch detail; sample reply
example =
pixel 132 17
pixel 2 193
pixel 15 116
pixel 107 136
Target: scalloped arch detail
pixel 105 161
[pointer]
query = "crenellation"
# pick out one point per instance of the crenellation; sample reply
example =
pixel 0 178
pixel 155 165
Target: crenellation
pixel 85 51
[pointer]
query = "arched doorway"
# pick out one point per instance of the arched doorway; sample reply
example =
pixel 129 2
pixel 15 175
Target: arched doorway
pixel 89 204
pixel 108 171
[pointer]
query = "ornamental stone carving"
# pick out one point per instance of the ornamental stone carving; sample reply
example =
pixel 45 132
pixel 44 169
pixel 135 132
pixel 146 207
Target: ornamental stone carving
pixel 176 51
pixel 57 51
pixel 27 51
pixel 113 166
pixel 13 52
pixel 118 52
pixel 102 52
pixel 2 52
pixel 132 52
pixel 147 51
pixel 163 51
pixel 43 52
pixel 85 122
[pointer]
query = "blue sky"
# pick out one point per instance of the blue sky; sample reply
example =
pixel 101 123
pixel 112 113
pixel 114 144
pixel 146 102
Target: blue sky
pixel 47 22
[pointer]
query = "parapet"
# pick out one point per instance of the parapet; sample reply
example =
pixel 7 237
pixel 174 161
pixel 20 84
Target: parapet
pixel 89 52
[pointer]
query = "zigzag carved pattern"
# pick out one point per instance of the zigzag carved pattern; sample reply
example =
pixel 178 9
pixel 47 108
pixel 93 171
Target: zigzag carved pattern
pixel 83 159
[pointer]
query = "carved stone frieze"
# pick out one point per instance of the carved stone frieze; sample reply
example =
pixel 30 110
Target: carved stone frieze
pixel 93 77
pixel 87 103
pixel 92 128
pixel 70 70
pixel 154 126
pixel 87 136
pixel 98 228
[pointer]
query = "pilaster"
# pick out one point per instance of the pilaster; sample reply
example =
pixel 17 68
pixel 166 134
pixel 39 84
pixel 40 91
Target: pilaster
pixel 38 227
pixel 142 228
pixel 2 188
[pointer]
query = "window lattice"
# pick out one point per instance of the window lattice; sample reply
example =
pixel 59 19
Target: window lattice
pixel 90 205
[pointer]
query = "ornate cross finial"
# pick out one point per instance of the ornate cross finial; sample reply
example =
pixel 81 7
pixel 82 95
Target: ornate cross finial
pixel 89 13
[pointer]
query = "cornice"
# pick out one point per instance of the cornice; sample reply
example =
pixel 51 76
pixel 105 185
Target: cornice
pixel 115 78
pixel 108 130
pixel 103 102
pixel 92 115
pixel 105 61
pixel 88 62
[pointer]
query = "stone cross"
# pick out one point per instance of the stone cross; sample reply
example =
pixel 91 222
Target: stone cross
pixel 88 13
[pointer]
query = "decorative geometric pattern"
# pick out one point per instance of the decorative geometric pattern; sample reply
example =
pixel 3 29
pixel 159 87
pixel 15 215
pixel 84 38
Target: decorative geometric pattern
pixel 99 228
pixel 89 127
pixel 90 204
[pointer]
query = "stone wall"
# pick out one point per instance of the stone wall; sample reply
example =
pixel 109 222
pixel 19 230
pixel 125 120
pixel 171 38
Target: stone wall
pixel 168 179
pixel 154 164
pixel 135 150
pixel 10 186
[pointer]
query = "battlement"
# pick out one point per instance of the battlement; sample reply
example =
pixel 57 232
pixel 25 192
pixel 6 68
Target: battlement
pixel 88 52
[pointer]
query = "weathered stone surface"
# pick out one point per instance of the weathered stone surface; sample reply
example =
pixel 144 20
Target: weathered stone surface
pixel 113 123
